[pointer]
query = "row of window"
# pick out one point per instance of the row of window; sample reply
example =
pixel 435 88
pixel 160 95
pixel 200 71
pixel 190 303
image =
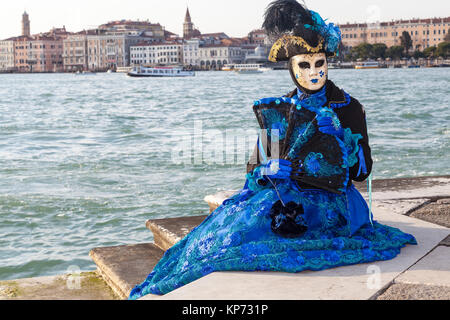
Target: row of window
pixel 155 54
pixel 401 26
pixel 38 62
pixel 153 48
pixel 384 34
pixel 162 60
pixel 42 46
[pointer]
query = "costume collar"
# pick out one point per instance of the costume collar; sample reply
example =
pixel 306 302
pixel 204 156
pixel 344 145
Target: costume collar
pixel 337 98
pixel 314 100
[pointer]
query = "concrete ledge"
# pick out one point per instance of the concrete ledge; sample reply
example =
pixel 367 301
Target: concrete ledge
pixel 433 269
pixel 124 267
pixel 167 232
pixel 83 286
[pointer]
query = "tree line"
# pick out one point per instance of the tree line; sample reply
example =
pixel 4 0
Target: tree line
pixel 367 51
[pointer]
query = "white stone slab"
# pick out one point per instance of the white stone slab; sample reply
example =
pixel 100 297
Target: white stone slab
pixel 400 206
pixel 433 269
pixel 434 187
pixel 355 282
pixel 218 198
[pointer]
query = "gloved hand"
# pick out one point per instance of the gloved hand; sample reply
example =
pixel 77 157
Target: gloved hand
pixel 277 169
pixel 326 125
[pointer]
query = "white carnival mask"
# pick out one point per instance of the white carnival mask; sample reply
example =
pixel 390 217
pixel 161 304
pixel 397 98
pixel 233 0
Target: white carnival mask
pixel 310 71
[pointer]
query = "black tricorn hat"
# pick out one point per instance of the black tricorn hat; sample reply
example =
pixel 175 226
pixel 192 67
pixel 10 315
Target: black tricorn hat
pixel 291 24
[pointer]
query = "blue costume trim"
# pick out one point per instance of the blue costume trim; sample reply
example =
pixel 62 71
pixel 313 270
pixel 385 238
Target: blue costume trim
pixel 330 32
pixel 362 162
pixel 337 105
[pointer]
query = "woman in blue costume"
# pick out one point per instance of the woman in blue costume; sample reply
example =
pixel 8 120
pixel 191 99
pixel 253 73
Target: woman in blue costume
pixel 278 222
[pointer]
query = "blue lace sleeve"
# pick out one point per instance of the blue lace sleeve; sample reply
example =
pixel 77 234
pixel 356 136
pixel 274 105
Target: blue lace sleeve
pixel 351 144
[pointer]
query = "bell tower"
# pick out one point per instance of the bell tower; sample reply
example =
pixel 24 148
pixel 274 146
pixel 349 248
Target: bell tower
pixel 25 24
pixel 188 26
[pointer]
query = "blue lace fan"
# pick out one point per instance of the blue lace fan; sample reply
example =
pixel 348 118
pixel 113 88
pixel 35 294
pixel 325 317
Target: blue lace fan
pixel 273 116
pixel 319 160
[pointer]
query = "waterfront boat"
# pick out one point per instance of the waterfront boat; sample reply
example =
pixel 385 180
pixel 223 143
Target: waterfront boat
pixel 85 73
pixel 249 68
pixel 332 65
pixel 123 69
pixel 368 65
pixel 140 71
pixel 228 67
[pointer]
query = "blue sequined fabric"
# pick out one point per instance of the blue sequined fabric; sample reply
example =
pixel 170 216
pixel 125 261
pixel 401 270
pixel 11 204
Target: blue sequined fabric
pixel 237 236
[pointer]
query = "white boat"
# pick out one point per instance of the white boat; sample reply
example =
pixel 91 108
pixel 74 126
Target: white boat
pixel 86 73
pixel 368 65
pixel 249 68
pixel 140 71
pixel 123 69
pixel 228 67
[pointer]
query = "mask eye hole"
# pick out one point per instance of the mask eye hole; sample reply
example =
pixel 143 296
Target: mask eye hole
pixel 304 65
pixel 320 63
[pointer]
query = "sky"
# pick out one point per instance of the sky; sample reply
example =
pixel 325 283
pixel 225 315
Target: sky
pixel 234 17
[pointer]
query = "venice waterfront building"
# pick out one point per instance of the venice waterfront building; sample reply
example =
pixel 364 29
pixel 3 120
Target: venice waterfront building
pixel 424 32
pixel 108 46
pixel 39 53
pixel 7 55
pixel 167 53
pixel 215 56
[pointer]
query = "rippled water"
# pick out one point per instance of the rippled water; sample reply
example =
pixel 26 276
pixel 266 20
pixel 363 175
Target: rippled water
pixel 86 160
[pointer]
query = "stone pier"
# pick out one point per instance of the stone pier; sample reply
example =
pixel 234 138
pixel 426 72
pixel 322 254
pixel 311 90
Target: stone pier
pixel 420 206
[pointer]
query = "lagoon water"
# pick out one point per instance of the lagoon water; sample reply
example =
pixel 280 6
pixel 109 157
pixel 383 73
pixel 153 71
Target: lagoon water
pixel 86 160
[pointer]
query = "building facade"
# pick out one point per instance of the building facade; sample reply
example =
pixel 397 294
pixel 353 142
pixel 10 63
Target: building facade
pixel 7 55
pixel 111 51
pixel 76 52
pixel 258 37
pixel 130 27
pixel 191 55
pixel 45 54
pixel 424 32
pixel 215 56
pixel 168 53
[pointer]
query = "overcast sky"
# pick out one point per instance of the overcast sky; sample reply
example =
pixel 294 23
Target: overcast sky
pixel 234 17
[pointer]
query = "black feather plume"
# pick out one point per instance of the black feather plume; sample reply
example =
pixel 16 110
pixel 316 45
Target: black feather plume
pixel 289 16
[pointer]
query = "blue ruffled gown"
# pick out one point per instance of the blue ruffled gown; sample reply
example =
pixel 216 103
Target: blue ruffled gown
pixel 237 236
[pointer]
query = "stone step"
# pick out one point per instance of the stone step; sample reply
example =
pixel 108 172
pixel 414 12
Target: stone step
pixel 124 267
pixel 167 232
